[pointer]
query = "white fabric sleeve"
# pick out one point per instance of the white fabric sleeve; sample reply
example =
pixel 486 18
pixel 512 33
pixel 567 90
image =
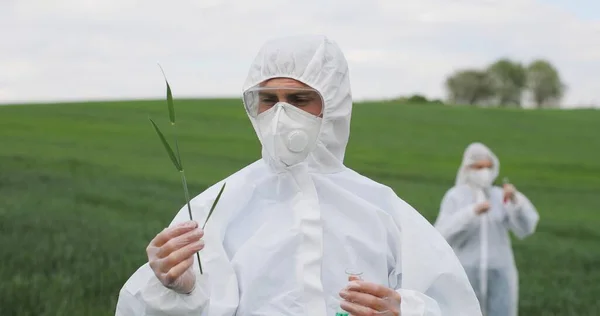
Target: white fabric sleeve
pixel 427 274
pixel 522 216
pixel 144 295
pixel 414 303
pixel 456 224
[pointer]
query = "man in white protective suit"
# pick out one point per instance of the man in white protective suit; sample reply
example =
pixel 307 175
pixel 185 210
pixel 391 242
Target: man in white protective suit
pixel 476 217
pixel 290 226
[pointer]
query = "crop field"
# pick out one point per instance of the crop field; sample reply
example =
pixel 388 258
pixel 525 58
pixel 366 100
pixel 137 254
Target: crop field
pixel 85 186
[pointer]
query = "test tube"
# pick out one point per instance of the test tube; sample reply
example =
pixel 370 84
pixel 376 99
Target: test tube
pixel 505 181
pixel 353 275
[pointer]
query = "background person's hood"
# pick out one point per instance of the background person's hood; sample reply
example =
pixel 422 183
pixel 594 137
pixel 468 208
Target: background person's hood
pixel 319 63
pixel 474 153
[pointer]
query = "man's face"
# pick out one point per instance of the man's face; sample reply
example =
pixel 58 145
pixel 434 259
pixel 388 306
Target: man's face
pixel 290 91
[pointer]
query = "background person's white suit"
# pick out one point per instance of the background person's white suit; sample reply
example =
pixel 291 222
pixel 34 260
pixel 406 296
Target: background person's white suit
pixel 281 238
pixel 482 242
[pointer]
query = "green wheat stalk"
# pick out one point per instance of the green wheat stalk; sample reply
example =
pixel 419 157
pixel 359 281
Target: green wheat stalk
pixel 176 159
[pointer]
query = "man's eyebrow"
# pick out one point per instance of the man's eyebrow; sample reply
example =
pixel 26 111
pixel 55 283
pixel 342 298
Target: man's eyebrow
pixel 301 93
pixel 266 94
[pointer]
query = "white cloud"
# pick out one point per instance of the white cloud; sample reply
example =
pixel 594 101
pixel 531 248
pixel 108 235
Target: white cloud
pixel 79 49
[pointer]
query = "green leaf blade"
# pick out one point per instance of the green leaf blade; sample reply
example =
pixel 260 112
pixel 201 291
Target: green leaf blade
pixel 178 154
pixel 169 98
pixel 170 103
pixel 167 147
pixel 214 204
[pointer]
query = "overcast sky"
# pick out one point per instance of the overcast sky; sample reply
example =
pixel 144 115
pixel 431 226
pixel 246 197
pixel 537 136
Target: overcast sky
pixel 107 49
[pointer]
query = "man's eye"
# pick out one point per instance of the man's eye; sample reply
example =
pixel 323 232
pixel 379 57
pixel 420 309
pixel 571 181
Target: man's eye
pixel 268 101
pixel 300 100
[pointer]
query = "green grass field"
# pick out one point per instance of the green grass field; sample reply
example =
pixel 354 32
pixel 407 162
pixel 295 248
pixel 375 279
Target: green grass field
pixel 84 187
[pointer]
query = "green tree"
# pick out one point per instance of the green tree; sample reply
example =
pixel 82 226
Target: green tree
pixel 544 83
pixel 509 80
pixel 417 99
pixel 469 86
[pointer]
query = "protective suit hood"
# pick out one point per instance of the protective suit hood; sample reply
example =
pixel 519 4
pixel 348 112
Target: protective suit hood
pixel 474 153
pixel 319 63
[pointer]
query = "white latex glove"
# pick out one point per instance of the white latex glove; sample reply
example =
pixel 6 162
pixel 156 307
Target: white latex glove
pixel 482 207
pixel 171 255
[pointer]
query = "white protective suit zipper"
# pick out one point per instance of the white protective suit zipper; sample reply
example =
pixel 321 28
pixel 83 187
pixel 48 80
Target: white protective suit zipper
pixel 483 275
pixel 307 219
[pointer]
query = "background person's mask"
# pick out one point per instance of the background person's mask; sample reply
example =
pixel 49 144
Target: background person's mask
pixel 481 178
pixel 288 133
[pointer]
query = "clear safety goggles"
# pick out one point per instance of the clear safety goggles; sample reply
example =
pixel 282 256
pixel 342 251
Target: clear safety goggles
pixel 260 99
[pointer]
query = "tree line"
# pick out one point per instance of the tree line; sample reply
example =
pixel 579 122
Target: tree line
pixel 507 83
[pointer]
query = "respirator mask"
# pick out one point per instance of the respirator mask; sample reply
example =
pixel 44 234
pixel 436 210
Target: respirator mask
pixel 481 178
pixel 287 120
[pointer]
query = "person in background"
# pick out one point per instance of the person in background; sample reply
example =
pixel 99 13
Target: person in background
pixel 475 218
pixel 293 228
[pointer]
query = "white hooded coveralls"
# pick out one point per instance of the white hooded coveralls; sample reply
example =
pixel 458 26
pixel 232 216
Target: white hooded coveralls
pixel 482 242
pixel 280 239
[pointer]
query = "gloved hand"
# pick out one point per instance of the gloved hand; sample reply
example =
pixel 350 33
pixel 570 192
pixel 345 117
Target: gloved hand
pixel 363 298
pixel 171 255
pixel 509 192
pixel 482 207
